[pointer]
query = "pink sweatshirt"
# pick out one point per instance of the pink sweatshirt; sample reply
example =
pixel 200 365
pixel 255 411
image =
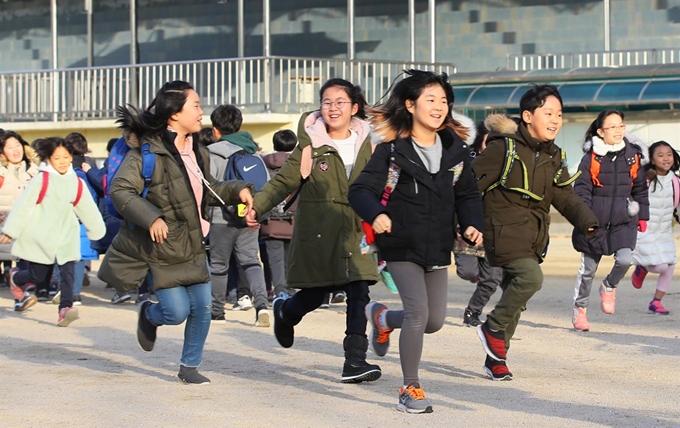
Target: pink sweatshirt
pixel 195 174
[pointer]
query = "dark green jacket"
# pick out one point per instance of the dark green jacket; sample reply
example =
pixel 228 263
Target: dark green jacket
pixel 515 226
pixel 181 259
pixel 324 250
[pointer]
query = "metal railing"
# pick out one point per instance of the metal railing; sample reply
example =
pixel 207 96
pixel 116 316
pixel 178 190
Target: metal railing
pixel 593 59
pixel 258 84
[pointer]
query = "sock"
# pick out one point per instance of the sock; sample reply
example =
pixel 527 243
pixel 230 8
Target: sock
pixel 656 300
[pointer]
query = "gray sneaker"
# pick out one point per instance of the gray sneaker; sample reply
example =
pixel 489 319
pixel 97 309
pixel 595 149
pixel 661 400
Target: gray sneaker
pixel 412 400
pixel 190 375
pixel 380 337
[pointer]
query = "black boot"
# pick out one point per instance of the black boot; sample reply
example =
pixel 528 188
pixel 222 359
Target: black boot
pixel 356 369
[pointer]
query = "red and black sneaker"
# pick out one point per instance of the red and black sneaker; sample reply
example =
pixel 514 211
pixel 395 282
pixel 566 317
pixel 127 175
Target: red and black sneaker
pixel 497 370
pixel 493 342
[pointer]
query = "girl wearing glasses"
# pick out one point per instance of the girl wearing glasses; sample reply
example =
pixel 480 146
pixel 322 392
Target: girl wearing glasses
pixel 334 146
pixel 613 185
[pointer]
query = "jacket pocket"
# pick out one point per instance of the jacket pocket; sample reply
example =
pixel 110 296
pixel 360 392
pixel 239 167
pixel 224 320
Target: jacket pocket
pixel 176 247
pixel 510 236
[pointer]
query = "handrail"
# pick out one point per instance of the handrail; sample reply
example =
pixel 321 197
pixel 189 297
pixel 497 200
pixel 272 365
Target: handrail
pixel 256 84
pixel 624 58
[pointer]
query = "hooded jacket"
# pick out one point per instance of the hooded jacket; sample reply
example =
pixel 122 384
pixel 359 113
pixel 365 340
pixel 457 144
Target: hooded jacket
pixel 220 151
pixel 14 181
pixel 49 232
pixel 424 207
pixel 618 202
pixel 515 225
pixel 181 259
pixel 324 250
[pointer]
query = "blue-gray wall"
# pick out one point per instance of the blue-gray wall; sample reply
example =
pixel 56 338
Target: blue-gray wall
pixel 476 35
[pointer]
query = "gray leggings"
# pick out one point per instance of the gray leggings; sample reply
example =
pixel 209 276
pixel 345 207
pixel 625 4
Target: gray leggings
pixel 623 258
pixel 424 296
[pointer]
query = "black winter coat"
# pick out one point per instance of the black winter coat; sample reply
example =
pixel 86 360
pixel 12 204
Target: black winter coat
pixel 610 203
pixel 423 206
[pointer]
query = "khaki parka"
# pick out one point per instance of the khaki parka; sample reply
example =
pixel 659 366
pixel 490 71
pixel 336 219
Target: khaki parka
pixel 516 226
pixel 324 250
pixel 181 259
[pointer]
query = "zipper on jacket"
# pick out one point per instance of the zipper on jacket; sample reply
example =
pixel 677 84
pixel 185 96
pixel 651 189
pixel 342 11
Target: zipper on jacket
pixel 415 185
pixel 611 208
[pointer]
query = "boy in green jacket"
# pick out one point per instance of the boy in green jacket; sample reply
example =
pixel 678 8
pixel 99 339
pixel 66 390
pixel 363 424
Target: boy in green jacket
pixel 517 200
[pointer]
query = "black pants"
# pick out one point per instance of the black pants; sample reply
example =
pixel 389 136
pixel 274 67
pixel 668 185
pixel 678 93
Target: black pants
pixel 308 299
pixel 39 274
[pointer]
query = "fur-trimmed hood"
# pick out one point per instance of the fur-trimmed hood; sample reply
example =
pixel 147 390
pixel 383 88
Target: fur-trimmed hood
pixel 383 131
pixel 597 145
pixel 500 124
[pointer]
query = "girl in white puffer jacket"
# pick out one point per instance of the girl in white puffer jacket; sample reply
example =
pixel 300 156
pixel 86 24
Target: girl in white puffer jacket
pixel 655 249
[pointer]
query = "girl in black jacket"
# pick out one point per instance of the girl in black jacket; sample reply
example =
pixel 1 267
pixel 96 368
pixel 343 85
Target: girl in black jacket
pixel 425 163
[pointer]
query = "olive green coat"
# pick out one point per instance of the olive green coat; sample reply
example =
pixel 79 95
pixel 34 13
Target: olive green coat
pixel 515 226
pixel 181 259
pixel 324 250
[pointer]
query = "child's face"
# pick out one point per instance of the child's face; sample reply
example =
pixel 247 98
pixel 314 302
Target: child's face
pixel 13 151
pixel 613 129
pixel 188 120
pixel 337 108
pixel 429 110
pixel 546 121
pixel 60 160
pixel 662 159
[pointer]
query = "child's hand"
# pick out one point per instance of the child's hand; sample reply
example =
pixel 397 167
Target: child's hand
pixel 247 198
pixel 251 220
pixel 158 231
pixel 642 225
pixel 85 167
pixel 4 239
pixel 473 235
pixel 382 224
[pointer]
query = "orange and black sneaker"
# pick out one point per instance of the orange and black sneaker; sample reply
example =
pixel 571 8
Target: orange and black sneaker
pixel 497 370
pixel 380 337
pixel 412 400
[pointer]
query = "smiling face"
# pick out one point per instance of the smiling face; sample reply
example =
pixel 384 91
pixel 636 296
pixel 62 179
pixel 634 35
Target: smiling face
pixel 337 110
pixel 546 121
pixel 189 119
pixel 13 151
pixel 612 130
pixel 662 159
pixel 429 111
pixel 60 160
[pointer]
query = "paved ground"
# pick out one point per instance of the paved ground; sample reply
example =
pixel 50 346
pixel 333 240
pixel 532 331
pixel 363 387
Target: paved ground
pixel 93 374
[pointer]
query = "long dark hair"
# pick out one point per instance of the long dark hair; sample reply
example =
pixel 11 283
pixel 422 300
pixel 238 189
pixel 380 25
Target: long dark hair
pixel 391 119
pixel 651 170
pixel 170 99
pixel 599 122
pixel 353 91
pixel 6 135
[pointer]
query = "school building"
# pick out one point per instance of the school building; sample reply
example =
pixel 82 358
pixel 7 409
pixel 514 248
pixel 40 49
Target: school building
pixel 65 65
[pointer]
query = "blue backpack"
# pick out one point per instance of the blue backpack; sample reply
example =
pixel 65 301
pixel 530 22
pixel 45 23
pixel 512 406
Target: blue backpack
pixel 247 167
pixel 116 156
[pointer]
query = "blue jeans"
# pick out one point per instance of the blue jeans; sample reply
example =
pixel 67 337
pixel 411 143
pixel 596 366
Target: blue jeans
pixel 78 276
pixel 191 303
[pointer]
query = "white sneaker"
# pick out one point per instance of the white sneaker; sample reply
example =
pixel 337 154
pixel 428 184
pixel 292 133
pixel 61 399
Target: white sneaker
pixel 262 318
pixel 243 304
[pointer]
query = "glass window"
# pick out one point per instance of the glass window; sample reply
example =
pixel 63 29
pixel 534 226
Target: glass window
pixel 621 91
pixel 577 93
pixel 492 96
pixel 662 90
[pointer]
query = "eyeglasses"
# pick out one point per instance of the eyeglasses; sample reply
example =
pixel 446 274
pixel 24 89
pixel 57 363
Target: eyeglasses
pixel 613 128
pixel 326 105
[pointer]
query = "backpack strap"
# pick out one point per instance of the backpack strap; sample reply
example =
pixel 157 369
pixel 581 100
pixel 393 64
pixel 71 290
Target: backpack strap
pixel 510 157
pixel 392 178
pixel 595 170
pixel 79 192
pixel 676 191
pixel 2 180
pixel 564 167
pixel 43 188
pixel 148 165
